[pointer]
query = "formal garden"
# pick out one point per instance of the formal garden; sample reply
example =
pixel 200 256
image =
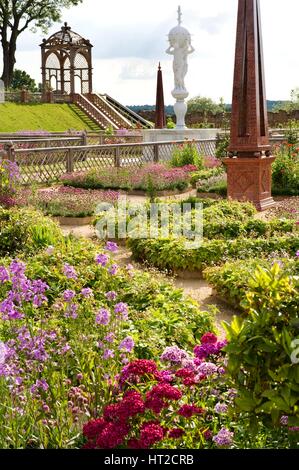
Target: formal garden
pixel 98 352
pixel 149 273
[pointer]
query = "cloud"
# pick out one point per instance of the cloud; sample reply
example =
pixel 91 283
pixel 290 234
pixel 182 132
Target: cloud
pixel 138 70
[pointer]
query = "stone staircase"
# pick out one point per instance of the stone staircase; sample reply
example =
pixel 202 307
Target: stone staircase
pixel 106 112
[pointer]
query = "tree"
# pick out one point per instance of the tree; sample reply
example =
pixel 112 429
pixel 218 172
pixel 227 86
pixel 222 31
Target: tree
pixel 289 106
pixel 21 80
pixel 18 15
pixel 201 104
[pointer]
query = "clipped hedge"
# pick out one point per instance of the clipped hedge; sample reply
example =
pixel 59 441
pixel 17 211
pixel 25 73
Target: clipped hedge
pixel 171 254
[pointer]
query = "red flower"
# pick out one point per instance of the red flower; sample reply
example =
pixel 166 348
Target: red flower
pixel 93 428
pixel 209 338
pixel 187 411
pixel 112 436
pixel 137 369
pixel 150 434
pixel 176 433
pixel 157 396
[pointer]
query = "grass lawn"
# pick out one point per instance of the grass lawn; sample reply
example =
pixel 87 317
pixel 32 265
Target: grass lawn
pixel 50 117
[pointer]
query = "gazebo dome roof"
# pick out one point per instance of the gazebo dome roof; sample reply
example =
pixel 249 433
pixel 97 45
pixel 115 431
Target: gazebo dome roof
pixel 66 37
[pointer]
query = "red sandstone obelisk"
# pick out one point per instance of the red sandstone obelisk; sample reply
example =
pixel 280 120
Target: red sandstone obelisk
pixel 249 165
pixel 160 118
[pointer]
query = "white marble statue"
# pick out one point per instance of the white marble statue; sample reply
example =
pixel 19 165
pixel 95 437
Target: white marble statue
pixel 180 47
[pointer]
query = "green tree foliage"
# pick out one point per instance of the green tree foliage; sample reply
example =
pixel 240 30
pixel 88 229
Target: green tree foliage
pixel 201 104
pixel 22 79
pixel 18 15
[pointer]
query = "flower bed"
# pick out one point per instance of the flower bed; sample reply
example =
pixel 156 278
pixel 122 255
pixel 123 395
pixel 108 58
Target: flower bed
pixel 149 178
pixel 72 202
pixel 69 318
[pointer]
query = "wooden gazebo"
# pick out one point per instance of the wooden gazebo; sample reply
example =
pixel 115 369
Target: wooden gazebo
pixel 67 63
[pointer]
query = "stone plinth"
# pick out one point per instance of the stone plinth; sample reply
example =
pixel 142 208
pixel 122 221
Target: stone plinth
pixel 172 135
pixel 250 179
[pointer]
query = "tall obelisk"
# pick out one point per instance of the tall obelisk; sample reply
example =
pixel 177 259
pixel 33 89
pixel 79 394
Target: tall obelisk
pixel 249 168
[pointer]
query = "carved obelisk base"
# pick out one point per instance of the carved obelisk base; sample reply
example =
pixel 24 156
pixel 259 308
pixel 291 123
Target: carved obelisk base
pixel 250 179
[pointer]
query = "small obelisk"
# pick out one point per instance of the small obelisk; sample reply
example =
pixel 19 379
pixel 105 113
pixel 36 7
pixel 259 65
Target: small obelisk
pixel 160 117
pixel 249 168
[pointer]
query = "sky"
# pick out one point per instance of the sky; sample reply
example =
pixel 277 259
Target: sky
pixel 130 38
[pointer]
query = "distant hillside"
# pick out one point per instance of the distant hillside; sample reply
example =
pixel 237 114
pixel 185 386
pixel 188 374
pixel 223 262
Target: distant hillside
pixel 169 109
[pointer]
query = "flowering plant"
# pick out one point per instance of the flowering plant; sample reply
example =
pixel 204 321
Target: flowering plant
pixel 9 177
pixel 180 402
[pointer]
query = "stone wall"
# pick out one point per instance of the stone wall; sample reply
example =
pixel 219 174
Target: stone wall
pixel 275 119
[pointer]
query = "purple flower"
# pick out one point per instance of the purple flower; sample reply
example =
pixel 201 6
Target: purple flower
pixel 71 311
pixel 108 353
pixel 121 309
pixel 17 268
pixel 68 295
pixel 111 296
pixel 221 408
pixel 127 344
pixel 110 338
pixel 207 368
pixel 103 317
pixel 102 259
pixel 284 420
pixel 297 254
pixel 39 385
pixel 4 276
pixel 87 292
pixel 112 247
pixel 174 355
pixel 113 269
pixel 69 272
pixel 224 438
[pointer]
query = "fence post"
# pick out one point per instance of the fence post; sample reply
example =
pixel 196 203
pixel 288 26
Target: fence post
pixel 10 151
pixel 156 153
pixel 84 138
pixel 70 161
pixel 116 152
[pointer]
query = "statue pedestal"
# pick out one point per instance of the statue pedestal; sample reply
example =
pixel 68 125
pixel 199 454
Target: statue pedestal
pixel 250 179
pixel 180 107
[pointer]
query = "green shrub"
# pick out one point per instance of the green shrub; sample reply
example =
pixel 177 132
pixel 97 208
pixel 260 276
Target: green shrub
pixel 171 254
pixel 26 230
pixel 231 280
pixel 203 175
pixel 222 143
pixel 260 349
pixel 186 154
pixel 285 170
